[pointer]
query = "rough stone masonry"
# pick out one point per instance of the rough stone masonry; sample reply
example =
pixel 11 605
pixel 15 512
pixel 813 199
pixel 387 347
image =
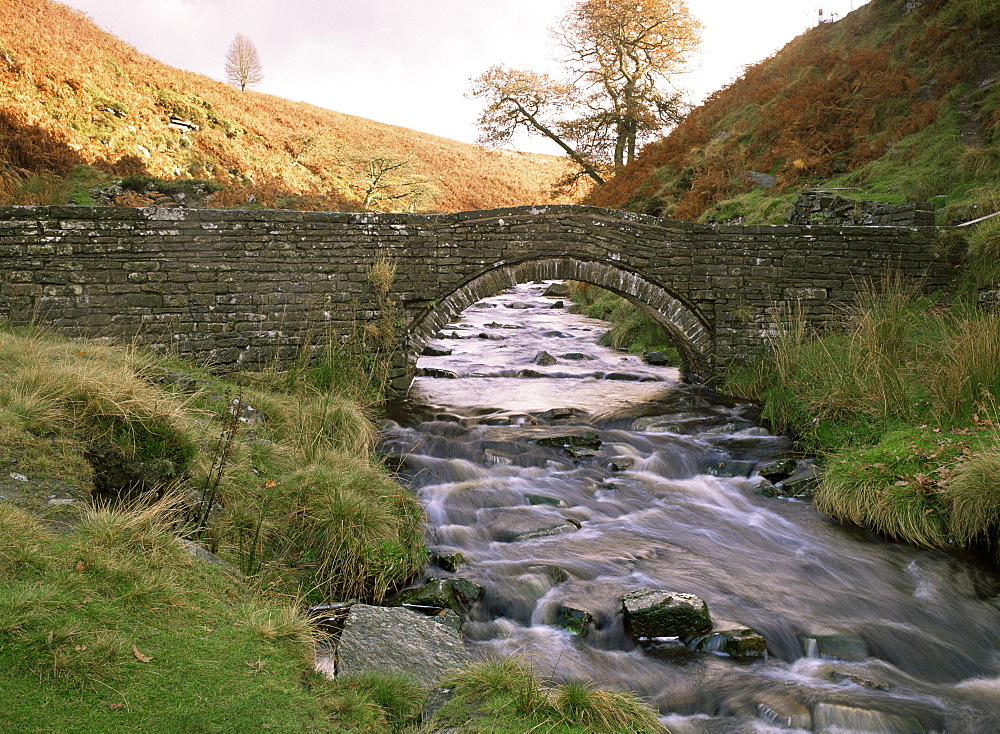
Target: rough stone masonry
pixel 253 287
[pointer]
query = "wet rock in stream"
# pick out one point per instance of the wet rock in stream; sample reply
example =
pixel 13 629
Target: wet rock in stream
pixel 657 613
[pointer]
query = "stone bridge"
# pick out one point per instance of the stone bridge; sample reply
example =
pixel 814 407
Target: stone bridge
pixel 254 287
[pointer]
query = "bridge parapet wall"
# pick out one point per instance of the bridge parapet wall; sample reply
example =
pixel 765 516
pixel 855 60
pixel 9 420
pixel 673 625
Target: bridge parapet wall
pixel 249 287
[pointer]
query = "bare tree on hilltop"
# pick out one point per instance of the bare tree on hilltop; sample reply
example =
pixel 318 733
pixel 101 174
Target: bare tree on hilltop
pixel 621 58
pixel 243 67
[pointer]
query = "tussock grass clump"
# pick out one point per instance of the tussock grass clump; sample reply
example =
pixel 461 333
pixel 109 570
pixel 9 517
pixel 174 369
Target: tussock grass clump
pixel 374 702
pixel 92 392
pixel 974 497
pixel 581 704
pixel 341 527
pixel 505 695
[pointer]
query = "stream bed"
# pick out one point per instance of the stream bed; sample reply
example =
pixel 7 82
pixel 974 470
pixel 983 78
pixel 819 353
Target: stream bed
pixel 567 474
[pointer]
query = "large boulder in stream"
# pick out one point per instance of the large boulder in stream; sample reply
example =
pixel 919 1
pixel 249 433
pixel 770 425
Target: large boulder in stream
pixel 398 640
pixel 658 613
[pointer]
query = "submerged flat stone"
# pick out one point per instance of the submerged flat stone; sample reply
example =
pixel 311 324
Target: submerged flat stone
pixel 836 717
pixel 784 711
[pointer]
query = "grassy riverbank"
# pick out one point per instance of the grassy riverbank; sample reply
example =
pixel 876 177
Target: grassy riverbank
pixel 107 622
pixel 903 407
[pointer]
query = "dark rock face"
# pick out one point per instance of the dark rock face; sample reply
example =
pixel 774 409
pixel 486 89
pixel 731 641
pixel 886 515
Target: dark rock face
pixel 118 477
pixel 657 613
pixel 577 621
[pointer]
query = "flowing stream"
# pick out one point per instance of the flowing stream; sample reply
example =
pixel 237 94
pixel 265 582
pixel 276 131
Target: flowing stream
pixel 862 634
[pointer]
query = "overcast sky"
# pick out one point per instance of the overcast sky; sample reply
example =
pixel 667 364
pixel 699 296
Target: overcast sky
pixel 408 62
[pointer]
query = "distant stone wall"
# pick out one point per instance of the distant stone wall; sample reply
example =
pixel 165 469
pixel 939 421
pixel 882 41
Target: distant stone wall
pixel 818 206
pixel 251 287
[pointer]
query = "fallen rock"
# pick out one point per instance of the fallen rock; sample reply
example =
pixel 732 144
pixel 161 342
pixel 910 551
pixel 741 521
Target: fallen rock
pixel 658 613
pixel 576 357
pixel 577 445
pixel 559 414
pixel 731 468
pixel 435 372
pixel 802 483
pixel 397 640
pixel 777 470
pixel 620 463
pixel 541 499
pixel 512 524
pixel 543 359
pixel 556 290
pixel 446 561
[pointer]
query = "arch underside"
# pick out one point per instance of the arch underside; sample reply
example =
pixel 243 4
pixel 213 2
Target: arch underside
pixel 687 330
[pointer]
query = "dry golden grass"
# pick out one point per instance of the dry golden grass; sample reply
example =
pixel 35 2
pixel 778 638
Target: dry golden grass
pixel 71 93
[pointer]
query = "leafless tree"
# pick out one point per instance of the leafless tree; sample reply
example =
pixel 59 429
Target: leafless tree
pixel 243 67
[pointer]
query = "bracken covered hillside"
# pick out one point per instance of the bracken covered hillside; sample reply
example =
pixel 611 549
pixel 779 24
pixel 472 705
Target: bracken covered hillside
pixel 72 94
pixel 898 101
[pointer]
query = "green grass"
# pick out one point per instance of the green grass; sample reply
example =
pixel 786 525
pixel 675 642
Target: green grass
pixel 116 628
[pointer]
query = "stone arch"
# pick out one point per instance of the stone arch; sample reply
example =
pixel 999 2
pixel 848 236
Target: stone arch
pixel 687 328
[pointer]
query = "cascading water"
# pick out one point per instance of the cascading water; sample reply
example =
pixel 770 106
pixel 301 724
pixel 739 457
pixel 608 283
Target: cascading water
pixel 862 634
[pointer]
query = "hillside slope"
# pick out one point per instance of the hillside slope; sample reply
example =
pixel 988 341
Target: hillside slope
pixel 72 94
pixel 898 102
